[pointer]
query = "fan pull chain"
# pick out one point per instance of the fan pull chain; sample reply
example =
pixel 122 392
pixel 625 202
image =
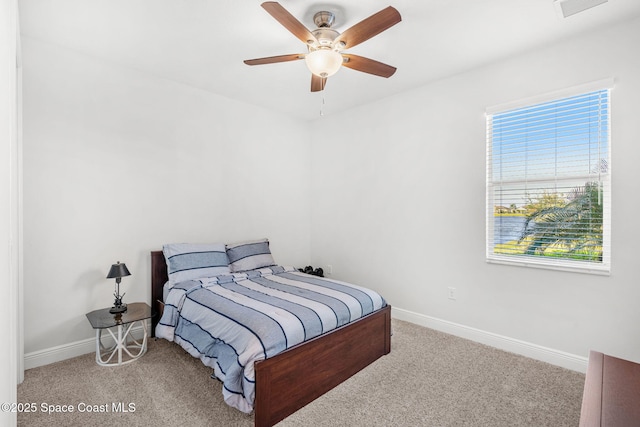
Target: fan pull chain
pixel 321 103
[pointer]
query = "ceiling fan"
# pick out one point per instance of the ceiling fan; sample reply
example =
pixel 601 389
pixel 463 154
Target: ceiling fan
pixel 325 45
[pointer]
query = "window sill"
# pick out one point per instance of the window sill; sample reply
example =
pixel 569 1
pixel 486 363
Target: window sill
pixel 577 267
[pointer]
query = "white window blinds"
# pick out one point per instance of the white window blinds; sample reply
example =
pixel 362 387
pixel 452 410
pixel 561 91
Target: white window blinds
pixel 548 184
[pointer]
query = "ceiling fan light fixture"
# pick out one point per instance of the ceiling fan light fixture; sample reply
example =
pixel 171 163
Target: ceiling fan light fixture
pixel 325 45
pixel 323 62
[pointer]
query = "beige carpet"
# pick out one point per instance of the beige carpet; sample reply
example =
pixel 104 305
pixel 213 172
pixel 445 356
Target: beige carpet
pixel 428 379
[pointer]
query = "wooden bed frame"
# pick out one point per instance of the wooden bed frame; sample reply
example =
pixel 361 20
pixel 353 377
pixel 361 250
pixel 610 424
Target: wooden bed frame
pixel 301 374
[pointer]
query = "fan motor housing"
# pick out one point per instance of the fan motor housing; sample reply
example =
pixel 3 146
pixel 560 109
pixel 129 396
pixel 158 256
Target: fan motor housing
pixel 325 36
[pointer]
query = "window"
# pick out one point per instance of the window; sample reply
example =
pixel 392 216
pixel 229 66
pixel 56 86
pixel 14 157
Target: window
pixel 548 182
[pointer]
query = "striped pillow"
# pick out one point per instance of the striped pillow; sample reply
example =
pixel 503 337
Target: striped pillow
pixel 189 261
pixel 249 255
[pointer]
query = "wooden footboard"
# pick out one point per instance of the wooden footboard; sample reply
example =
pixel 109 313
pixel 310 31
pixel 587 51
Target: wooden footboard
pixel 301 374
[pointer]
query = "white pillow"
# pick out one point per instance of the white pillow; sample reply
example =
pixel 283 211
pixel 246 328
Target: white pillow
pixel 189 261
pixel 249 255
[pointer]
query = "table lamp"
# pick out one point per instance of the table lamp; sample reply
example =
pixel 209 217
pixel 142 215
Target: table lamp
pixel 118 271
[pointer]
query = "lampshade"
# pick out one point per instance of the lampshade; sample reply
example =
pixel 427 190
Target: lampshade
pixel 323 62
pixel 118 270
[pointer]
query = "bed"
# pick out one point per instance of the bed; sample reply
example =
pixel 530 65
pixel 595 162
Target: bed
pixel 292 378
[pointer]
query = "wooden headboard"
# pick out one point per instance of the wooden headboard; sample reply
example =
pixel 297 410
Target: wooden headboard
pixel 159 277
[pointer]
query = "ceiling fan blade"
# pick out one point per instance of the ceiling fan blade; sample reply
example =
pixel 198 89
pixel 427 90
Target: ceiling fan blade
pixel 289 22
pixel 366 65
pixel 367 28
pixel 274 59
pixel 318 83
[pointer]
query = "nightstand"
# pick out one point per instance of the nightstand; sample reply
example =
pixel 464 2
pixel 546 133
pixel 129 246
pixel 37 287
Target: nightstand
pixel 137 312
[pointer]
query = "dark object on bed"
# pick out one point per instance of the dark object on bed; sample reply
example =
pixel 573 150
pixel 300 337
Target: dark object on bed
pixel 299 375
pixel 309 270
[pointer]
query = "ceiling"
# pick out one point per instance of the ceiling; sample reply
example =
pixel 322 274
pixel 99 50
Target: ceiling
pixel 202 43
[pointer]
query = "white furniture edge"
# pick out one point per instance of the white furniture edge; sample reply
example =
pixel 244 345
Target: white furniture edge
pixel 523 348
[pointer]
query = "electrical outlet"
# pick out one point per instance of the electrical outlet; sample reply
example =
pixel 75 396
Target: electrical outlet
pixel 452 293
pixel 329 269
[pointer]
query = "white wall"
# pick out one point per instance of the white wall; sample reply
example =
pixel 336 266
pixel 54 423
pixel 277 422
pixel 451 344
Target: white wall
pixel 118 162
pixel 399 203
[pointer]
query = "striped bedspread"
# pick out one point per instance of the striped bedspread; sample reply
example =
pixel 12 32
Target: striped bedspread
pixel 230 321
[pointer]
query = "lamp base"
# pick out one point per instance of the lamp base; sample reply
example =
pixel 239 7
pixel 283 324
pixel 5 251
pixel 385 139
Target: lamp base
pixel 118 309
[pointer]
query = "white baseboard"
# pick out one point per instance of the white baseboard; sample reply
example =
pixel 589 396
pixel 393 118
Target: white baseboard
pixel 67 351
pixel 533 351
